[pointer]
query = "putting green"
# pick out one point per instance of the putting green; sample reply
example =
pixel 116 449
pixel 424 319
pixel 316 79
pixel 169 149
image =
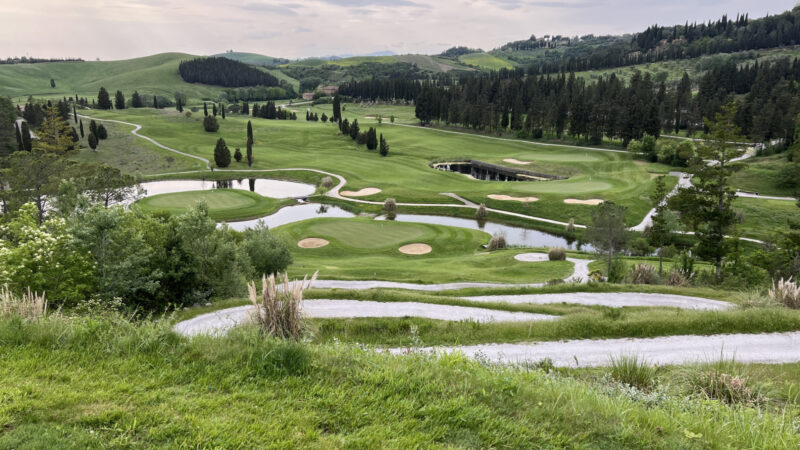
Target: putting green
pixel 223 204
pixel 366 249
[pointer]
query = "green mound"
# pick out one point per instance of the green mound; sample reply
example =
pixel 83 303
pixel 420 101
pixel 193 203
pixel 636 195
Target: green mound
pixel 223 204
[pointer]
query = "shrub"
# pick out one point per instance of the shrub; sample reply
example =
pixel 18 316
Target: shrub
pixel 481 214
pixel 390 207
pixel 755 298
pixel 268 254
pixel 676 278
pixel 557 254
pixel 279 310
pixel 634 372
pixel 187 114
pixel 685 264
pixel 497 242
pixel 30 306
pixel 571 225
pixel 643 274
pixel 326 183
pixel 210 124
pixel 721 383
pixel 786 292
pixel 617 271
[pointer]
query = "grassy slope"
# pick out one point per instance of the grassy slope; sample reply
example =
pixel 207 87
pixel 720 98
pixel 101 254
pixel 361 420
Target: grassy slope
pixel 370 251
pixel 157 74
pixel 248 58
pixel 223 204
pixel 763 218
pixel 405 174
pixel 761 175
pixel 485 61
pixel 101 383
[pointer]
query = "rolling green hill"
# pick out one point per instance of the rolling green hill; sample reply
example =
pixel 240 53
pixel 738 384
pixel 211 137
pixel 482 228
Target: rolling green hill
pixel 157 74
pixel 251 58
pixel 485 61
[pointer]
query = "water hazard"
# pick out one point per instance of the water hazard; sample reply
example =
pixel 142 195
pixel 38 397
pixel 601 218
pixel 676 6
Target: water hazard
pixel 261 186
pixel 480 170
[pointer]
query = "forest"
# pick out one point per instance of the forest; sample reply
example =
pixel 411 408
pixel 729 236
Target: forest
pixel 224 72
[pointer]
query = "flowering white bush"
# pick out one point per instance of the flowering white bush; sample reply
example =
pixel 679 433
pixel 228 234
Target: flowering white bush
pixel 43 257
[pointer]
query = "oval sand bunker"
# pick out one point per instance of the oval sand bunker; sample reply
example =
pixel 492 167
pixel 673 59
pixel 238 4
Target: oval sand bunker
pixel 514 199
pixel 590 202
pixel 415 249
pixel 312 243
pixel 516 161
pixel 362 193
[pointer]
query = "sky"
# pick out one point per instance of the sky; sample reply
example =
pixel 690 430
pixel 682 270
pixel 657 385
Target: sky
pixel 121 29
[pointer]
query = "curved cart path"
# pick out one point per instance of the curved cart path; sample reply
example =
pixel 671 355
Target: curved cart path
pixel 221 321
pixel 612 299
pixel 770 348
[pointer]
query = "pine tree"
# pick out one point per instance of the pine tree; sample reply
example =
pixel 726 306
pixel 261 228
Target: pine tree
pixel 237 155
pixel 222 155
pixel 384 146
pixel 136 100
pixel 119 100
pixel 26 137
pixel 205 109
pixel 103 101
pixel 19 137
pixel 660 233
pixel 92 141
pixel 81 123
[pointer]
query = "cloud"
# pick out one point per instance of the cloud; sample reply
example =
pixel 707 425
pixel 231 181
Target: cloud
pixel 285 9
pixel 373 3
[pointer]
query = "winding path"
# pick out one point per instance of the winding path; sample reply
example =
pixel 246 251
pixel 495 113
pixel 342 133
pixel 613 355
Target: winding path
pixel 220 321
pixel 612 299
pixel 769 348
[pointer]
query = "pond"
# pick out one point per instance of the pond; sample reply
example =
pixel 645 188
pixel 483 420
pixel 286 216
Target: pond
pixel 262 186
pixel 292 214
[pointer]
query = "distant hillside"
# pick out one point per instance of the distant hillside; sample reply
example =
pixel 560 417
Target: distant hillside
pixel 157 74
pixel 252 58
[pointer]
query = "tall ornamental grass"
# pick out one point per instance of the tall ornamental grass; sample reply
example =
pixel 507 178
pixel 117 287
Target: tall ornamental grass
pixel 279 311
pixel 31 306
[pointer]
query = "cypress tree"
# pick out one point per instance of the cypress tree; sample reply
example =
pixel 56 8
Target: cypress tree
pixel 74 135
pixel 324 118
pixel 222 110
pixel 205 109
pixel 256 111
pixel 354 129
pixel 372 139
pixel 249 153
pixel 82 134
pixel 214 109
pixel 337 107
pixel 384 147
pixel 26 137
pixel 179 105
pixel 119 100
pixel 74 113
pixel 103 100
pixel 19 137
pixel 237 155
pixel 93 128
pixel 249 131
pixel 136 100
pixel 246 108
pixel 52 83
pixel 222 155
pixel 92 141
pixel 155 102
pixel 101 132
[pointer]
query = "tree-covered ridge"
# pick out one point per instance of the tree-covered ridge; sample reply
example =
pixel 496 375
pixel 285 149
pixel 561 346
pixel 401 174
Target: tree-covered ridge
pixel 224 72
pixel 551 54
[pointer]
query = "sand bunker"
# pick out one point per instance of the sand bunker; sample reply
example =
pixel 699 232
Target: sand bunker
pixel 515 199
pixel 591 201
pixel 516 161
pixel 370 117
pixel 362 193
pixel 415 249
pixel 532 257
pixel 312 243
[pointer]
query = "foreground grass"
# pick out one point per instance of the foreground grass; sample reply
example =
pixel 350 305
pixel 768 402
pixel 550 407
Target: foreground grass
pixel 91 383
pixel 223 204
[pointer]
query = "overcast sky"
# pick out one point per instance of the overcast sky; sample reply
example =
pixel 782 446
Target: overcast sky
pixel 120 29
